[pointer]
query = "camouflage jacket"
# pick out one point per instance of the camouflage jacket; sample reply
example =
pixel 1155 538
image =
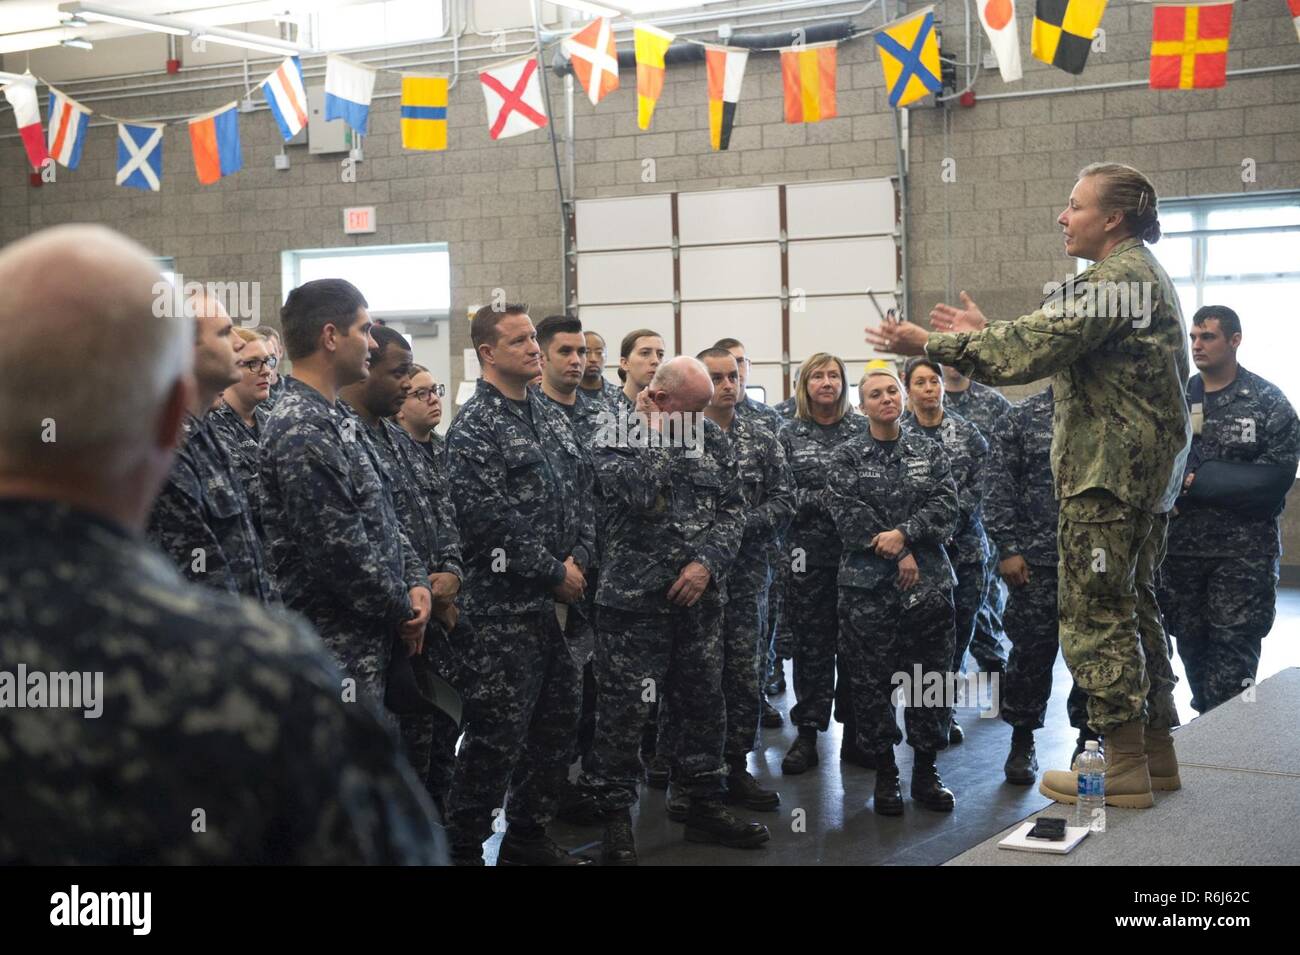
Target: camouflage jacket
pixel 421 495
pixel 768 484
pixel 786 408
pixel 337 547
pixel 979 404
pixel 207 702
pixel 241 443
pixel 665 510
pixel 1020 509
pixel 523 493
pixel 968 458
pixel 874 488
pixel 1248 422
pixel 1118 375
pixel 808 448
pixel 766 415
pixel 203 521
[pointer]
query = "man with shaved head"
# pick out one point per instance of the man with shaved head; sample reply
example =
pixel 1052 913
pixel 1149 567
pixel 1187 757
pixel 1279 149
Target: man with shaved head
pixel 203 519
pixel 192 726
pixel 674 525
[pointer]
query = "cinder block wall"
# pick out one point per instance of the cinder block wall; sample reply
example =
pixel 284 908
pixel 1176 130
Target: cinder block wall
pixel 991 231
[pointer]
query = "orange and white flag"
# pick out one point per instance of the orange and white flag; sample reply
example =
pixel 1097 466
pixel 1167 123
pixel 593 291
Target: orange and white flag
pixel 594 57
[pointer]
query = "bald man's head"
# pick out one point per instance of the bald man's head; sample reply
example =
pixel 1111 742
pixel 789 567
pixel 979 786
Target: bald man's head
pixel 681 384
pixel 88 354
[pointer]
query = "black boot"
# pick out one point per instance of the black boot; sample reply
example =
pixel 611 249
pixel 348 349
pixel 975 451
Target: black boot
pixel 656 771
pixel 744 790
pixel 772 717
pixel 617 845
pixel 889 795
pixel 709 821
pixel 851 752
pixel 927 788
pixel 955 733
pixel 803 754
pixel 1022 764
pixel 676 803
pixel 579 807
pixel 775 678
pixel 534 848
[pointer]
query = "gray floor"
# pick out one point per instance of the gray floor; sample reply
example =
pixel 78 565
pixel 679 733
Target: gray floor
pixel 1237 805
pixel 825 817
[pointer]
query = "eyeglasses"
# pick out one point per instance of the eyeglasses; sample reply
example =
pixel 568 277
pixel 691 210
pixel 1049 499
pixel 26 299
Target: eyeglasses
pixel 423 394
pixel 255 365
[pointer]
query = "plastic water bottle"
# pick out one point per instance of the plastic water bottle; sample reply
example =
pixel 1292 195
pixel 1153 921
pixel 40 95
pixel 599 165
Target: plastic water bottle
pixel 1090 811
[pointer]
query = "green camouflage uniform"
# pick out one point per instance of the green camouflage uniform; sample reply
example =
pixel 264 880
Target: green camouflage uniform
pixel 1121 432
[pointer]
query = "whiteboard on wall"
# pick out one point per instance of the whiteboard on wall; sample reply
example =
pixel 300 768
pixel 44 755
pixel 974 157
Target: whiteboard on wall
pixel 843 265
pixel 834 324
pixel 729 215
pixel 757 323
pixel 641 276
pixel 612 322
pixel 826 209
pixel 624 222
pixel 731 271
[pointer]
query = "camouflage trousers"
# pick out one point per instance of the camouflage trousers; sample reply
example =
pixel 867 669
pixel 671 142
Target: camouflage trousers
pixel 1111 633
pixel 676 659
pixel 879 639
pixel 968 597
pixel 1032 625
pixel 744 623
pixel 811 601
pixel 781 640
pixel 1218 611
pixel 430 740
pixel 521 713
pixel 990 631
pixel 363 655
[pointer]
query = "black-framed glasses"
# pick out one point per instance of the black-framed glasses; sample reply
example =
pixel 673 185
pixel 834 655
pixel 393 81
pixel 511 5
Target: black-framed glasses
pixel 423 394
pixel 255 365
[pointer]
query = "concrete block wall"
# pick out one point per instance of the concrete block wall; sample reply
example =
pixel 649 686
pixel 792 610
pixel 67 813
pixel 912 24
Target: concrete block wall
pixel 991 231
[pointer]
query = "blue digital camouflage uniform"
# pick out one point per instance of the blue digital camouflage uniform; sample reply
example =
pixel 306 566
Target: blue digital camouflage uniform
pixel 769 506
pixel 872 487
pixel 786 408
pixel 983 407
pixel 336 545
pixel 242 444
pixel 523 494
pixel 209 703
pixel 202 519
pixel 813 554
pixel 969 548
pixel 1121 431
pixel 781 640
pixel 1219 582
pixel 667 507
pixel 1020 513
pixel 422 499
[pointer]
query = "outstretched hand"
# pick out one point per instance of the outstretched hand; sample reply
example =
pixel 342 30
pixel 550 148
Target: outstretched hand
pixel 897 338
pixel 968 318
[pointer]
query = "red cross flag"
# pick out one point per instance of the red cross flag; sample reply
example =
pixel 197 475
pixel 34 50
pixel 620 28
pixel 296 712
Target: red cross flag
pixel 595 60
pixel 514 98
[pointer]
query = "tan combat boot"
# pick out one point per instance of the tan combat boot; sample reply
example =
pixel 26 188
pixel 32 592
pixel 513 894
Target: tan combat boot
pixel 1162 762
pixel 1128 783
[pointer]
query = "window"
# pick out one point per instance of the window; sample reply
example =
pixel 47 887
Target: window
pixel 1242 252
pixel 411 282
pixel 362 25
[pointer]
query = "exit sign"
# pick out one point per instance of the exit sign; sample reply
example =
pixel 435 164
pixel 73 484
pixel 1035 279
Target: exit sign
pixel 358 219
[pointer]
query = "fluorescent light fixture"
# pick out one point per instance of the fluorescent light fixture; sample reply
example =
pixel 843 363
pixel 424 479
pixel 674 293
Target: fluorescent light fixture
pixel 78 43
pixel 140 21
pixel 248 42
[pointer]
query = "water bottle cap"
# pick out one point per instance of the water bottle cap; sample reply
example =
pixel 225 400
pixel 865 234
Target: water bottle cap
pixel 1090 746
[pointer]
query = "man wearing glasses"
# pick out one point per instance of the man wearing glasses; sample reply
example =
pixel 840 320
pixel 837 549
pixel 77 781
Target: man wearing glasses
pixel 421 413
pixel 238 417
